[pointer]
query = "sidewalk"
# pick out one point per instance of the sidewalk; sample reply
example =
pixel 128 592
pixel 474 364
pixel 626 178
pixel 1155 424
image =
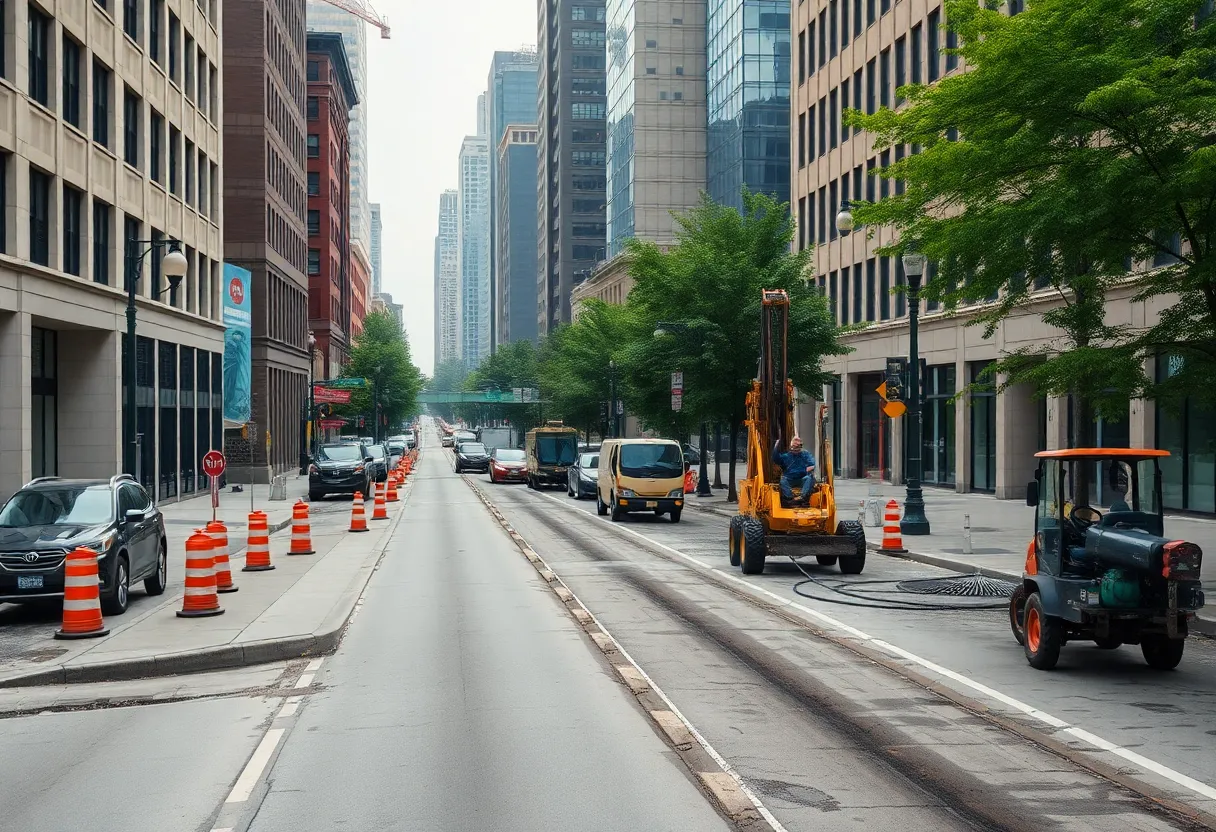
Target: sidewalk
pixel 1000 531
pixel 297 609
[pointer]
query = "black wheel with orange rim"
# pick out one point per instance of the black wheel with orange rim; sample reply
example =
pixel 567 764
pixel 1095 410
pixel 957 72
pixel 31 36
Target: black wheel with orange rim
pixel 1044 635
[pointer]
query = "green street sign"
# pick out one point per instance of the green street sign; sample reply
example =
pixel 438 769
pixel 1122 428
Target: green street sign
pixel 342 383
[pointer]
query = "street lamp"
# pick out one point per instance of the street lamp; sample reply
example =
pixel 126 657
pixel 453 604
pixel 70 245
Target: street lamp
pixel 844 219
pixel 612 398
pixel 661 329
pixel 914 522
pixel 376 404
pixel 174 267
pixel 307 432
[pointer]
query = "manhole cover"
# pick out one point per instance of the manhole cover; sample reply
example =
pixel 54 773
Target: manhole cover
pixel 970 586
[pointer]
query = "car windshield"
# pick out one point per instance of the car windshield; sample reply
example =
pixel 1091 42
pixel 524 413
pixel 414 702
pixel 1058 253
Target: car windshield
pixel 509 455
pixel 80 506
pixel 589 461
pixel 376 451
pixel 395 447
pixel 472 448
pixel 651 461
pixel 339 453
pixel 556 450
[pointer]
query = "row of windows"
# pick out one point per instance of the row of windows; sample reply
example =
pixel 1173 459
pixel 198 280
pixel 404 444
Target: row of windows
pixel 288 66
pixel 284 119
pixel 284 238
pixel 284 181
pixel 287 316
pixel 817 212
pixel 587 13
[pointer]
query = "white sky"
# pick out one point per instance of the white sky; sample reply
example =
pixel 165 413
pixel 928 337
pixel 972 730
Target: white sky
pixel 422 101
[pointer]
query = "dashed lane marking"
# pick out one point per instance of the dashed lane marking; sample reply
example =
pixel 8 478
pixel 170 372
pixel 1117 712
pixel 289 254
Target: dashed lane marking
pixel 252 772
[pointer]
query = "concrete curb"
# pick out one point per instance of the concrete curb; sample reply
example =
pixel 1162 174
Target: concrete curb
pixel 320 642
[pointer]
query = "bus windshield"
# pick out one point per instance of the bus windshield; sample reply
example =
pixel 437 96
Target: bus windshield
pixel 556 450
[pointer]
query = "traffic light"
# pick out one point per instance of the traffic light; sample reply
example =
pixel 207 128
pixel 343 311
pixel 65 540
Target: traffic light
pixel 896 376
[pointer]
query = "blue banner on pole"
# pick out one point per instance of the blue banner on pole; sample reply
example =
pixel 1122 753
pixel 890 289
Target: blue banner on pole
pixel 238 324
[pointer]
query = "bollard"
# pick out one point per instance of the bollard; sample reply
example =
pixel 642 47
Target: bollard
pixel 966 534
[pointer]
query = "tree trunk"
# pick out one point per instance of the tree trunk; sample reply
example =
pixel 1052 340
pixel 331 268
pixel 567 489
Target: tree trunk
pixel 732 495
pixel 718 455
pixel 1084 435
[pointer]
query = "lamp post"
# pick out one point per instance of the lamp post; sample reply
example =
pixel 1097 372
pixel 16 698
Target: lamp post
pixel 661 329
pixel 612 399
pixel 306 429
pixel 914 522
pixel 174 266
pixel 376 404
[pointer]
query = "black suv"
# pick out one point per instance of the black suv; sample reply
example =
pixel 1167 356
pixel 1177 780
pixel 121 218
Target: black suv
pixel 51 516
pixel 472 456
pixel 340 468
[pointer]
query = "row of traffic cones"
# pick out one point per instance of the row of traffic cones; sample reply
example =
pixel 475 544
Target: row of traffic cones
pixel 208 572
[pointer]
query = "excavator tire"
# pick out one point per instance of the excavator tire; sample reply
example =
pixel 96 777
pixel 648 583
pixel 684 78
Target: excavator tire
pixel 752 546
pixel 853 565
pixel 735 540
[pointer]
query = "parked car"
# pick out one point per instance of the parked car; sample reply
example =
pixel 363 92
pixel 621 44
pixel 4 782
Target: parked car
pixel 396 450
pixel 379 462
pixel 471 456
pixel 508 465
pixel 448 440
pixel 339 468
pixel 582 475
pixel 693 456
pixel 51 516
pixel 411 439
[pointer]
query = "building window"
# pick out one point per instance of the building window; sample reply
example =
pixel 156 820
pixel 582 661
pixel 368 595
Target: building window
pixel 313 108
pixel 101 242
pixel 933 55
pixel 844 24
pixel 314 223
pixel 938 428
pixel 917 37
pixel 884 286
pixel 951 45
pixel 884 78
pixel 857 18
pixel 871 290
pixel 39 34
pixel 314 146
pixel 583 111
pixel 802 140
pixel 72 202
pixel 844 105
pixel 130 249
pixel 801 58
pixel 188 62
pixel 175 37
pixel 188 157
pixel 870 183
pixel 203 195
pixel 871 12
pixel 101 104
pixel 832 5
pixel 823 38
pixel 156 142
pixel 652 44
pixel 130 18
pixel 833 119
pixel 886 6
pixel 71 81
pixel 871 85
pixel 4 159
pixel 983 428
pixel 175 140
pixel 40 217
pixel 201 80
pixel 823 126
pixel 594 39
pixel 131 106
pixel 314 261
pixel 44 408
pixel 313 71
pixel 314 183
pixel 901 68
pixel 810 49
pixel 155 13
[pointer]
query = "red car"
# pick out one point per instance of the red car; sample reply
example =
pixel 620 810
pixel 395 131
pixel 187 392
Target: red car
pixel 508 465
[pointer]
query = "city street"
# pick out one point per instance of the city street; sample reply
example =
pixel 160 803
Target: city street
pixel 641 686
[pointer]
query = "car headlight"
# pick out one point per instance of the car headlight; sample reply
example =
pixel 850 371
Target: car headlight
pixel 625 492
pixel 359 469
pixel 676 492
pixel 102 547
pixel 312 469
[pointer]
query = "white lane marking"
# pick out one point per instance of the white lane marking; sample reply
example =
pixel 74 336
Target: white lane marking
pixel 1176 777
pixel 289 707
pixel 305 680
pixel 314 665
pixel 225 829
pixel 254 768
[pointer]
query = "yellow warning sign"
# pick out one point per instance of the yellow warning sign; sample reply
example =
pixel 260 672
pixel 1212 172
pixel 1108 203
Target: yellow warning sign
pixel 895 409
pixel 881 390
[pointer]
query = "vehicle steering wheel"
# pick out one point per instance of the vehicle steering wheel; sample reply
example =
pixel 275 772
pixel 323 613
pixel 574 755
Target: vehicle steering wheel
pixel 1083 517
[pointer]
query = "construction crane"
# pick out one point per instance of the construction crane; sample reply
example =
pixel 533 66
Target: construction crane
pixel 364 11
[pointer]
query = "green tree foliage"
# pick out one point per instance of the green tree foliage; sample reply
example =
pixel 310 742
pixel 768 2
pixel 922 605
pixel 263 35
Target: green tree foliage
pixel 510 366
pixel 449 377
pixel 711 283
pixel 1086 143
pixel 382 353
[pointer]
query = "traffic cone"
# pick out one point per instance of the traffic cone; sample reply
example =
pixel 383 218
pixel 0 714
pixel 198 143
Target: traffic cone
pixel 223 568
pixel 301 530
pixel 891 539
pixel 257 551
pixel 200 599
pixel 392 488
pixel 81 597
pixel 358 522
pixel 381 510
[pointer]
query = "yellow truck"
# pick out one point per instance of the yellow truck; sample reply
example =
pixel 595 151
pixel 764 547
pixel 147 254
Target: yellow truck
pixel 551 450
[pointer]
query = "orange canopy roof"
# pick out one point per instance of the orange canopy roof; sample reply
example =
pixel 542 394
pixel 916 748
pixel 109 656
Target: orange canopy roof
pixel 1102 453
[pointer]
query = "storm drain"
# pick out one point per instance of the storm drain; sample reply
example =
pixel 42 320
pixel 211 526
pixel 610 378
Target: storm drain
pixel 965 586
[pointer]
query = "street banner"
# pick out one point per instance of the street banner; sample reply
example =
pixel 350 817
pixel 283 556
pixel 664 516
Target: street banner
pixel 238 322
pixel 327 395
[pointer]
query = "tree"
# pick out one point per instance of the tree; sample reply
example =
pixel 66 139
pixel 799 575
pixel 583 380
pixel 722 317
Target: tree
pixel 1086 143
pixel 711 283
pixel 381 354
pixel 510 366
pixel 449 377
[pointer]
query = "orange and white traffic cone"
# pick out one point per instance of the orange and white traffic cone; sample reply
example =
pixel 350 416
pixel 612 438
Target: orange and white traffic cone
pixel 891 539
pixel 392 488
pixel 358 521
pixel 380 512
pixel 219 551
pixel 200 599
pixel 301 530
pixel 81 597
pixel 257 550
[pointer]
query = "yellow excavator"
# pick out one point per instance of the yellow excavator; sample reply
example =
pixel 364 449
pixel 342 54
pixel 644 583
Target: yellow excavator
pixel 765 526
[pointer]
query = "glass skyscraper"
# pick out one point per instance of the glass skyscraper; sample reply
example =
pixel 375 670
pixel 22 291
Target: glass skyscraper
pixel 621 117
pixel 748 90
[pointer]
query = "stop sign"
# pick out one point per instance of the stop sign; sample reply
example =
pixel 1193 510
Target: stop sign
pixel 214 463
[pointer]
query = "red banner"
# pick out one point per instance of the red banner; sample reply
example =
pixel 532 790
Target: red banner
pixel 332 423
pixel 328 395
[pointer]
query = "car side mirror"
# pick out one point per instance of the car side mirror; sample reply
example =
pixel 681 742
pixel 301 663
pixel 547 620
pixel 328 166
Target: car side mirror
pixel 369 459
pixel 134 515
pixel 1032 493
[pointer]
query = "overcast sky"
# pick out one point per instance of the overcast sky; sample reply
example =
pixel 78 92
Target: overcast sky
pixel 424 84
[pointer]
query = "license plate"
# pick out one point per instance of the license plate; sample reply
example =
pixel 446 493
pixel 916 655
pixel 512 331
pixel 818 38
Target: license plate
pixel 652 504
pixel 29 582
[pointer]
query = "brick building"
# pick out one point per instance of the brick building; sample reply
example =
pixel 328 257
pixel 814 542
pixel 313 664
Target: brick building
pixel 264 231
pixel 331 95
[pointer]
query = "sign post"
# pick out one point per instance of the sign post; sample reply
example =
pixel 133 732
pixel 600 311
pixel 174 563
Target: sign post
pixel 677 391
pixel 213 466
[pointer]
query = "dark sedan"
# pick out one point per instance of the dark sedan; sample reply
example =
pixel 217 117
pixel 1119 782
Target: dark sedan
pixel 582 476
pixel 339 469
pixel 508 465
pixel 51 516
pixel 472 456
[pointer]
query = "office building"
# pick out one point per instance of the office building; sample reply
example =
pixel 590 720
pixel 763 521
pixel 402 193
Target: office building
pixel 99 148
pixel 515 241
pixel 510 99
pixel 322 17
pixel 377 274
pixel 447 279
pixel 475 247
pixel 360 290
pixel 383 302
pixel 331 94
pixel 571 149
pixel 748 99
pixel 264 228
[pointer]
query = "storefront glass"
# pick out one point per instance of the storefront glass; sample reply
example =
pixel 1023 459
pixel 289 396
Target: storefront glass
pixel 937 457
pixel 983 429
pixel 45 403
pixel 1188 474
pixel 871 428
